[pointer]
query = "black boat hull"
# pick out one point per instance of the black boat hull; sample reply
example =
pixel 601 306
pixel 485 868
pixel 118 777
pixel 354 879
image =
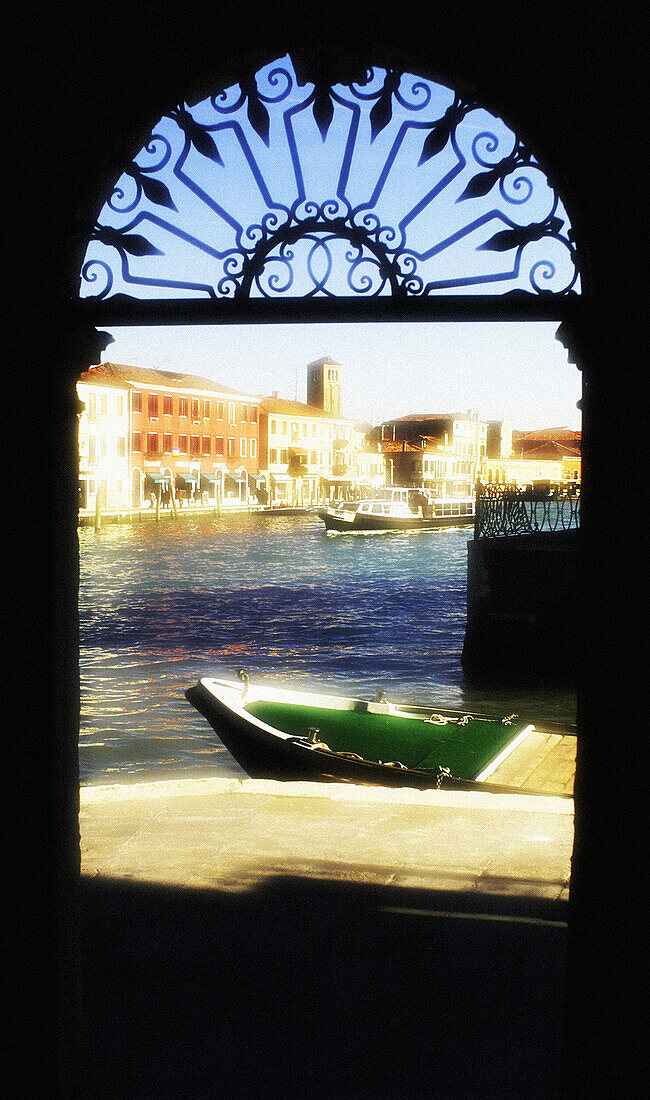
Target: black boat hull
pixel 265 754
pixel 361 523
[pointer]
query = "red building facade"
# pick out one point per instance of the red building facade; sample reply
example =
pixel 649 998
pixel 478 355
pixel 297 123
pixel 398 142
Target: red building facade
pixel 188 435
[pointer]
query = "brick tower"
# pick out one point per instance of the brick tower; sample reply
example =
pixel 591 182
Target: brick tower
pixel 324 385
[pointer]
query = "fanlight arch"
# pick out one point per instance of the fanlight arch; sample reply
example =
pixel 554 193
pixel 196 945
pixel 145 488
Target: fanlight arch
pixel 388 186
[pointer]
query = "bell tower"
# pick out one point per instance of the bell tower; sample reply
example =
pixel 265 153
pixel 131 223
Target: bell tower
pixel 324 385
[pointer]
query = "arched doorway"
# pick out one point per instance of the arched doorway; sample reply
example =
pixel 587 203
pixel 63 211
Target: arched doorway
pixel 136 488
pixel 289 196
pixel 513 66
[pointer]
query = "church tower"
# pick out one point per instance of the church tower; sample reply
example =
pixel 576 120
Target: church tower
pixel 324 385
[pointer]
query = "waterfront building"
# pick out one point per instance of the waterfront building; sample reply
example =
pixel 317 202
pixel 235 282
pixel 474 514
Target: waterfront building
pixel 548 454
pixel 187 435
pixel 369 468
pixel 104 466
pixel 441 452
pixel 307 453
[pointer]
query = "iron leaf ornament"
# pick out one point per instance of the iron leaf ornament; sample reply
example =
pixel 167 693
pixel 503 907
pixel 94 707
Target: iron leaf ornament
pixel 197 135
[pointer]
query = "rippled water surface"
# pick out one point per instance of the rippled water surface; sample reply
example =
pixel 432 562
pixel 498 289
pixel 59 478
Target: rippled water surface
pixel 162 604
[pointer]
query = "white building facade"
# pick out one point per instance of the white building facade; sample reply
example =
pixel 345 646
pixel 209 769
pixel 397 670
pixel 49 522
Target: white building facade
pixel 104 451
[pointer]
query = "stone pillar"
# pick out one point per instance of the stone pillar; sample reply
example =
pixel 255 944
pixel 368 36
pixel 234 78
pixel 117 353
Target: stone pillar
pixel 612 732
pixel 73 348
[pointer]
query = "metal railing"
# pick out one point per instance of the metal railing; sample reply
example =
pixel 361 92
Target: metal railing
pixel 508 510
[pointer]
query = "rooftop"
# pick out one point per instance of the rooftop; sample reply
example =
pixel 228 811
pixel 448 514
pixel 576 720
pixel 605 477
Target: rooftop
pixel 150 376
pixel 555 434
pixel 283 405
pixel 428 416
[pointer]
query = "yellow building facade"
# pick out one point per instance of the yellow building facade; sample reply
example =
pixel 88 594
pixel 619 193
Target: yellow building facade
pixel 308 455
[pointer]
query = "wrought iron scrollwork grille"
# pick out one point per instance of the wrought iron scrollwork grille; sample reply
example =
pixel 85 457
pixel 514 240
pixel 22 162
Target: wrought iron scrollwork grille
pixel 506 510
pixel 389 185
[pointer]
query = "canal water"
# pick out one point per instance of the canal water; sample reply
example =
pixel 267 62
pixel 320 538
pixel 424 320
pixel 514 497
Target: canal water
pixel 162 604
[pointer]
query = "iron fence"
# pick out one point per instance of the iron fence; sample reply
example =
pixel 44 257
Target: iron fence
pixel 509 510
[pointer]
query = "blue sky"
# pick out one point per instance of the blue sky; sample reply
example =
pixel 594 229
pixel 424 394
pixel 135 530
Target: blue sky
pixel 513 371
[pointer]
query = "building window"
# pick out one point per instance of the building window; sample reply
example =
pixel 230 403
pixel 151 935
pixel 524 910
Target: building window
pixel 152 406
pixel 206 445
pixel 218 444
pixel 274 427
pixel 242 448
pixel 273 457
pixel 206 410
pixel 137 401
pixel 103 446
pixel 182 444
pixel 103 404
pixel 152 443
pixel 196 409
pixel 167 443
pixel 182 406
pixel 231 447
pixel 167 405
pixel 219 410
pixel 253 448
pixel 244 414
pixel 120 446
pixel 92 448
pixel 231 412
pixel 284 458
pixel 136 441
pixel 119 405
pixel 254 414
pixel 195 445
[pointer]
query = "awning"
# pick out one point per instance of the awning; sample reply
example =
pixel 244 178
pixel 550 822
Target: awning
pixel 237 478
pixel 211 477
pixel 188 477
pixel 159 479
pixel 282 479
pixel 257 479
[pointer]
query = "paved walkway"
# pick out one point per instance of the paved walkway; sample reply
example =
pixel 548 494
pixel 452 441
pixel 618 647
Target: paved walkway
pixel 247 939
pixel 231 834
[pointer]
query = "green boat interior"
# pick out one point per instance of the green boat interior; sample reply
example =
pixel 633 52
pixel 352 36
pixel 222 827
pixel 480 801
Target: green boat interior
pixel 465 747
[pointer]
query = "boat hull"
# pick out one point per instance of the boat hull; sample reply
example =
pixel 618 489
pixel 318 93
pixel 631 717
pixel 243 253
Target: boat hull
pixel 268 753
pixel 356 521
pixel 365 523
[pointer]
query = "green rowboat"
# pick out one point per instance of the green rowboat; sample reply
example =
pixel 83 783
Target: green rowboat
pixel 275 733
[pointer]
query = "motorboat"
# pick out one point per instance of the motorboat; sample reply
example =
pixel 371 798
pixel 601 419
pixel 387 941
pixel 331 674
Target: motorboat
pixel 277 733
pixel 397 515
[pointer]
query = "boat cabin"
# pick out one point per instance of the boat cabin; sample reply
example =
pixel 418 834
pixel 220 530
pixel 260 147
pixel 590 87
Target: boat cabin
pixel 384 508
pixel 416 499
